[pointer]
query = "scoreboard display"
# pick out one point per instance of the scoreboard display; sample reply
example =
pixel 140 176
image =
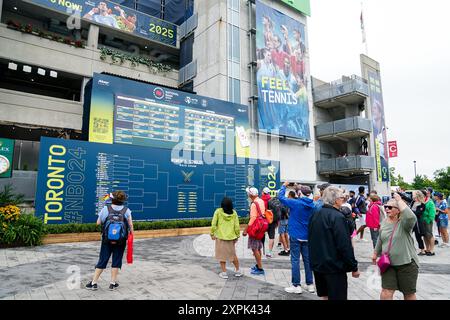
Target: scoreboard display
pixel 130 112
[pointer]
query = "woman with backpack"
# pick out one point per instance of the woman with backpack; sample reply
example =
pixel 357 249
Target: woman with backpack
pixel 116 223
pixel 225 232
pixel 257 209
pixel 374 217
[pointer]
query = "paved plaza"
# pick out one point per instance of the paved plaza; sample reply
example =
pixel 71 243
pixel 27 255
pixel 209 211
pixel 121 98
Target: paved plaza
pixel 185 268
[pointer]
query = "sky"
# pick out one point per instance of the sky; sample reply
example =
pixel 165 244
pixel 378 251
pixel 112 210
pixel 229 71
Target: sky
pixel 411 41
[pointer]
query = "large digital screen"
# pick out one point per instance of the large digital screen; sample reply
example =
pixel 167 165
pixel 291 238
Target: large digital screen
pixel 131 112
pixel 110 14
pixel 282 75
pixel 74 176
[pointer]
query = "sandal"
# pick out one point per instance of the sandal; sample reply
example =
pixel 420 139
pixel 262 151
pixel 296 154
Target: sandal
pixel 422 254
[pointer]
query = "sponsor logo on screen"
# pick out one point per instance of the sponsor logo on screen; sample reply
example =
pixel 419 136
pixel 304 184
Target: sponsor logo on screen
pixel 158 93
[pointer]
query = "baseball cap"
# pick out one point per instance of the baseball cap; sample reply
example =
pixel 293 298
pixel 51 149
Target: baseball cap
pixel 252 191
pixel 439 195
pixel 306 190
pixel 323 186
pixel 266 190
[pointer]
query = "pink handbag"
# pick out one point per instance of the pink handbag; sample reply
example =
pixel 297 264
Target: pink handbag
pixel 385 262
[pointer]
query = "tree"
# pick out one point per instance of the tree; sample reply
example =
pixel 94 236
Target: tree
pixel 398 180
pixel 392 177
pixel 442 180
pixel 421 182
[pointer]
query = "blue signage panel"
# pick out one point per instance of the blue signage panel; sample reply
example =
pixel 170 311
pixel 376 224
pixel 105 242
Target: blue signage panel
pixel 122 18
pixel 282 75
pixel 161 183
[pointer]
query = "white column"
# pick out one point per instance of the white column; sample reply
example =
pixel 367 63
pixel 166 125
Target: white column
pixel 94 32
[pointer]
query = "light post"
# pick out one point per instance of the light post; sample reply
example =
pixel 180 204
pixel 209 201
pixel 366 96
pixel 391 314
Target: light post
pixel 415 174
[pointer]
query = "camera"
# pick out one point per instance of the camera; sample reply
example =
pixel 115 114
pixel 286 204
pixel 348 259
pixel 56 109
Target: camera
pixel 405 197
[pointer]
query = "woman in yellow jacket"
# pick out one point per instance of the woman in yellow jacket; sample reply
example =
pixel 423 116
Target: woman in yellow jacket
pixel 225 231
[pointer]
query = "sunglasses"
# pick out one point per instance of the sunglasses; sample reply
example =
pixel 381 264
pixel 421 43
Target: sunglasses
pixel 390 207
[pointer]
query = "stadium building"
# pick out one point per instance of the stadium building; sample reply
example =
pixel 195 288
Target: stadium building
pixel 249 53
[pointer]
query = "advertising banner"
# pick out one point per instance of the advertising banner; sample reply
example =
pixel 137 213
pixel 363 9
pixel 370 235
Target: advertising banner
pixel 6 157
pixel 379 127
pixel 282 77
pixel 107 13
pixel 74 176
pixel 393 151
pixel 131 112
pixel 301 5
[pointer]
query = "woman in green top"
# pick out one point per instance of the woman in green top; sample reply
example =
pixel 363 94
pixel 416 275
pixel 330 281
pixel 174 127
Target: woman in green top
pixel 427 221
pixel 404 269
pixel 225 231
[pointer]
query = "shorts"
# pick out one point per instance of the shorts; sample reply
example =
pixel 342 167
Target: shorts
pixel 443 223
pixel 254 244
pixel 402 278
pixel 271 230
pixel 331 285
pixel 427 230
pixel 283 228
pixel 106 250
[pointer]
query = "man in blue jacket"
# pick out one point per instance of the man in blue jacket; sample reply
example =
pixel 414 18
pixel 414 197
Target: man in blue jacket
pixel 301 210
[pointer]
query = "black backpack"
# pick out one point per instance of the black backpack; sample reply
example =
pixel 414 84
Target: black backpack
pixel 115 228
pixel 362 206
pixel 276 206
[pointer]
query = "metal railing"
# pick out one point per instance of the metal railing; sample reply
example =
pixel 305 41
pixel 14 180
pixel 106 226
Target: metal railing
pixel 346 164
pixel 340 88
pixel 343 125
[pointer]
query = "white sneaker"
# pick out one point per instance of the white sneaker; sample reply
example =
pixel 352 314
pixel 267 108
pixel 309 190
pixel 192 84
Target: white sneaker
pixel 310 288
pixel 292 289
pixel 269 254
pixel 223 275
pixel 237 273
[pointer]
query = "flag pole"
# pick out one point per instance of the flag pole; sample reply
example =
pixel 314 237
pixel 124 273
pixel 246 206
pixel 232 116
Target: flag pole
pixel 363 30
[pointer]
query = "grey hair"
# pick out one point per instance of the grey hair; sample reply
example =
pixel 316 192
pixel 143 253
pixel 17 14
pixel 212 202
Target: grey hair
pixel 331 194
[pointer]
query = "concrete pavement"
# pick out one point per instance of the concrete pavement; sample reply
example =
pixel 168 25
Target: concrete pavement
pixel 184 268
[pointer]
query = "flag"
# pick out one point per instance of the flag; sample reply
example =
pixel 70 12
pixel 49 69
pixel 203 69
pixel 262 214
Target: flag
pixel 362 28
pixel 393 151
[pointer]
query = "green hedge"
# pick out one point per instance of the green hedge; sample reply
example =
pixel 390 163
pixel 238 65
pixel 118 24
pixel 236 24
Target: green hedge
pixel 27 231
pixel 151 225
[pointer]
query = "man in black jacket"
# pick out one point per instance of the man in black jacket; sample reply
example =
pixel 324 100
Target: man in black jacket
pixel 330 247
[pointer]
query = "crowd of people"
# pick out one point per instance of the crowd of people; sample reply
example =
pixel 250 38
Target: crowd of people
pixel 323 229
pixel 320 229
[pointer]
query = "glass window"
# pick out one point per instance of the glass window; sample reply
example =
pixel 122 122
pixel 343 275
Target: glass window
pixel 235 5
pixel 236 45
pixel 234 90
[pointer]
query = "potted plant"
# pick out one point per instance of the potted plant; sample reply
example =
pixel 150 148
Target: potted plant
pixel 13 25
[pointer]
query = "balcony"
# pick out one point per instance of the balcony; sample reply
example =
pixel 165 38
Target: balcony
pixel 40 110
pixel 346 165
pixel 345 129
pixel 18 46
pixel 341 93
